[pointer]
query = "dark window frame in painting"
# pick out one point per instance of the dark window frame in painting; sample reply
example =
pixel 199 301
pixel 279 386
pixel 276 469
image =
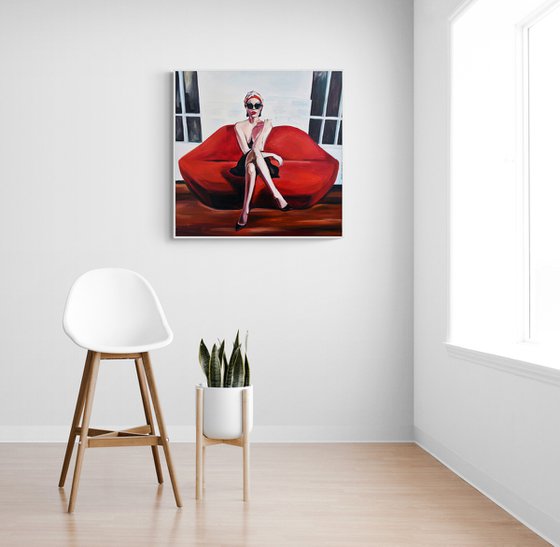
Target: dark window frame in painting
pixel 325 121
pixel 187 107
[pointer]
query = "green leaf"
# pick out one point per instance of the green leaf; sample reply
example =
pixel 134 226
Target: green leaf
pixel 204 359
pixel 237 380
pixel 247 381
pixel 221 355
pixel 225 368
pixel 236 345
pixel 214 369
pixel 233 367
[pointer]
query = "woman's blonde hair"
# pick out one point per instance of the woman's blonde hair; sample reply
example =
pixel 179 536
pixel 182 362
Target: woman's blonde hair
pixel 252 95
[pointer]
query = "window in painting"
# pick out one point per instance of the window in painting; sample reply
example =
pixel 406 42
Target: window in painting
pixel 187 107
pixel 325 121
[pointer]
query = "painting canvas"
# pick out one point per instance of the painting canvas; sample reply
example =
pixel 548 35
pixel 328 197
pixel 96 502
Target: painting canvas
pixel 257 153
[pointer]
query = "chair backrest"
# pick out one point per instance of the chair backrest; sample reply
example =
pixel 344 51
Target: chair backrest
pixel 113 310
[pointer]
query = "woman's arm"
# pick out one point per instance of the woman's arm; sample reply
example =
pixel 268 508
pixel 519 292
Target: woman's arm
pixel 261 139
pixel 241 139
pixel 272 155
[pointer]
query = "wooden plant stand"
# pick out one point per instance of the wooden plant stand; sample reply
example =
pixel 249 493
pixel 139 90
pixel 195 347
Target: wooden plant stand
pixel 143 435
pixel 202 442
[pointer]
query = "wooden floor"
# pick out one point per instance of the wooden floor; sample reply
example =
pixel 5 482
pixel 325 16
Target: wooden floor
pixel 302 494
pixel 195 219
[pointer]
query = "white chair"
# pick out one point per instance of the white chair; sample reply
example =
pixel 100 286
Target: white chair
pixel 115 314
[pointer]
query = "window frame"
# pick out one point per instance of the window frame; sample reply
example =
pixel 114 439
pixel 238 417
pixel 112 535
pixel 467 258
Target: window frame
pixel 523 358
pixel 324 118
pixel 524 29
pixel 184 115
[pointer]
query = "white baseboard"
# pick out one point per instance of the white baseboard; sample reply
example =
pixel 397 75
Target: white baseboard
pixel 263 434
pixel 33 434
pixel 540 522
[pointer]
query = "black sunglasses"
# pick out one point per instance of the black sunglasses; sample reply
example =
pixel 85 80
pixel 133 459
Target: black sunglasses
pixel 255 106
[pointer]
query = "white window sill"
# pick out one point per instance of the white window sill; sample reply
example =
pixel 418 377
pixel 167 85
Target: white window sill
pixel 526 360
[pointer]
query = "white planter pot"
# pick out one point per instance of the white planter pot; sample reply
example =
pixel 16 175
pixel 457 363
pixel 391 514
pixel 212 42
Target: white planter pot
pixel 223 411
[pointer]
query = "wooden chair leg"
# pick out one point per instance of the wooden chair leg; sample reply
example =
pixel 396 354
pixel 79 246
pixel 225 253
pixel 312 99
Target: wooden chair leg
pixel 94 369
pixel 199 443
pixel 148 414
pixel 246 448
pixel 161 425
pixel 75 421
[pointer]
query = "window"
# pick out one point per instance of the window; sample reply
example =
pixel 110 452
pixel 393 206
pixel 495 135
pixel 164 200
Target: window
pixel 504 178
pixel 187 107
pixel 325 122
pixel 543 137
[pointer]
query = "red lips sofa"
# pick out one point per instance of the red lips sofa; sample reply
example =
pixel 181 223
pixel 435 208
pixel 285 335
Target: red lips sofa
pixel 306 175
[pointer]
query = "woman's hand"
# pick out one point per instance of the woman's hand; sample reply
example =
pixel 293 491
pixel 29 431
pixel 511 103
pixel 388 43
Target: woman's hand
pixel 274 156
pixel 278 159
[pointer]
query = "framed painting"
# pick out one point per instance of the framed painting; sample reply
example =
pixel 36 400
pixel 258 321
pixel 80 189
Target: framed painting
pixel 257 153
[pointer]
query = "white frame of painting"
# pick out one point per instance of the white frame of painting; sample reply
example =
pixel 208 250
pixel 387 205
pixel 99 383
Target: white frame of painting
pixel 173 181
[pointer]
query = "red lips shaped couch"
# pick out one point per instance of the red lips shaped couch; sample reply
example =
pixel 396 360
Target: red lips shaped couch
pixel 306 175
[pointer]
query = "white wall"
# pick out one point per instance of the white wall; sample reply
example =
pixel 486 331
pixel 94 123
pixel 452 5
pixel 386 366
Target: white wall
pixel 499 430
pixel 85 182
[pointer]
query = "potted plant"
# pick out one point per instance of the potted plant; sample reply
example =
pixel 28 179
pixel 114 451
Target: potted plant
pixel 223 394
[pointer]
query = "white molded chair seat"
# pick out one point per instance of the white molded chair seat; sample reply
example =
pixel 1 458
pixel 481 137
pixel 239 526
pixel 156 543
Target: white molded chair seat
pixel 113 310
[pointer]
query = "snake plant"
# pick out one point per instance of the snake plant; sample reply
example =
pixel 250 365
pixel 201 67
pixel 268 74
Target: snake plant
pixel 221 372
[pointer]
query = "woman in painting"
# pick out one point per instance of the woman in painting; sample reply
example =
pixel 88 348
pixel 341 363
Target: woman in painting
pixel 251 135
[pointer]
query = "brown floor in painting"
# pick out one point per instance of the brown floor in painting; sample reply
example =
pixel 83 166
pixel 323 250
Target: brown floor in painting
pixel 195 219
pixel 302 495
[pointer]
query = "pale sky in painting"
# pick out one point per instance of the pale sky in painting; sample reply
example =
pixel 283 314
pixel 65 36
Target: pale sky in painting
pixel 286 96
